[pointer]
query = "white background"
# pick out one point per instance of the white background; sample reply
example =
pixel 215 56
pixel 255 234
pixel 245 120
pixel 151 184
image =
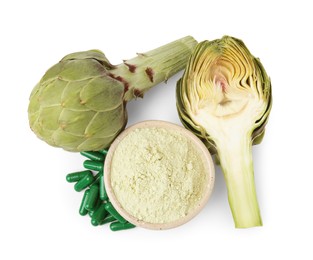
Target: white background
pixel 39 209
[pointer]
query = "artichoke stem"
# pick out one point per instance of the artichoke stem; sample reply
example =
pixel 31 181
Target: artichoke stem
pixel 153 67
pixel 237 165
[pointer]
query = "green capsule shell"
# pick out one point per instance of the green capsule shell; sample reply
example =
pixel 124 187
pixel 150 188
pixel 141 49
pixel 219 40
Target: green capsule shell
pixel 76 176
pixel 102 191
pixel 94 156
pixel 84 182
pixel 99 215
pixel 93 197
pixel 109 207
pixel 116 226
pixel 92 211
pixel 96 179
pixel 93 165
pixel 108 219
pixel 82 210
pixel 94 222
pixel 104 151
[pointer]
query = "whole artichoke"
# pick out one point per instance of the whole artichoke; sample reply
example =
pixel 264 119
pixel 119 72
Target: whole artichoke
pixel 80 103
pixel 225 98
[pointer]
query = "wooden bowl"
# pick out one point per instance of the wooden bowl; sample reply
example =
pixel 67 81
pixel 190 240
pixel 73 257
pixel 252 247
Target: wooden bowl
pixel 204 156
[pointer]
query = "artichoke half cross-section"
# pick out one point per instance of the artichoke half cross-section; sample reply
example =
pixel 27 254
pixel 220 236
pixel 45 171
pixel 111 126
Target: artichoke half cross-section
pixel 224 97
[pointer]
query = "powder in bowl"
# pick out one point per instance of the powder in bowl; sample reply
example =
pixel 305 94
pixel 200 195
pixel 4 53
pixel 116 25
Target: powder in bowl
pixel 158 175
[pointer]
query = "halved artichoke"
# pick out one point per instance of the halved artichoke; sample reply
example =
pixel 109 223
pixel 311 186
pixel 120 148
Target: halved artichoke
pixel 224 97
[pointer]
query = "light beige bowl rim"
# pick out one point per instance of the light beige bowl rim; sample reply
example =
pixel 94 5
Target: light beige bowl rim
pixel 206 159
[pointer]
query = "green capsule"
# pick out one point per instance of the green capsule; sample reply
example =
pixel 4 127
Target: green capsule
pixel 93 165
pixel 109 207
pixel 102 191
pixel 94 156
pixel 116 226
pixel 108 219
pixel 99 215
pixel 96 179
pixel 103 151
pixel 76 176
pixel 82 210
pixel 94 222
pixel 92 211
pixel 84 182
pixel 93 197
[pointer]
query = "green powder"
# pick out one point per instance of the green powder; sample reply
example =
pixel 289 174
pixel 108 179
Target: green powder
pixel 157 175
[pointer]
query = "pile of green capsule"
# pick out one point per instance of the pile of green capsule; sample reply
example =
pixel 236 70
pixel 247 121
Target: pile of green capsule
pixel 95 200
